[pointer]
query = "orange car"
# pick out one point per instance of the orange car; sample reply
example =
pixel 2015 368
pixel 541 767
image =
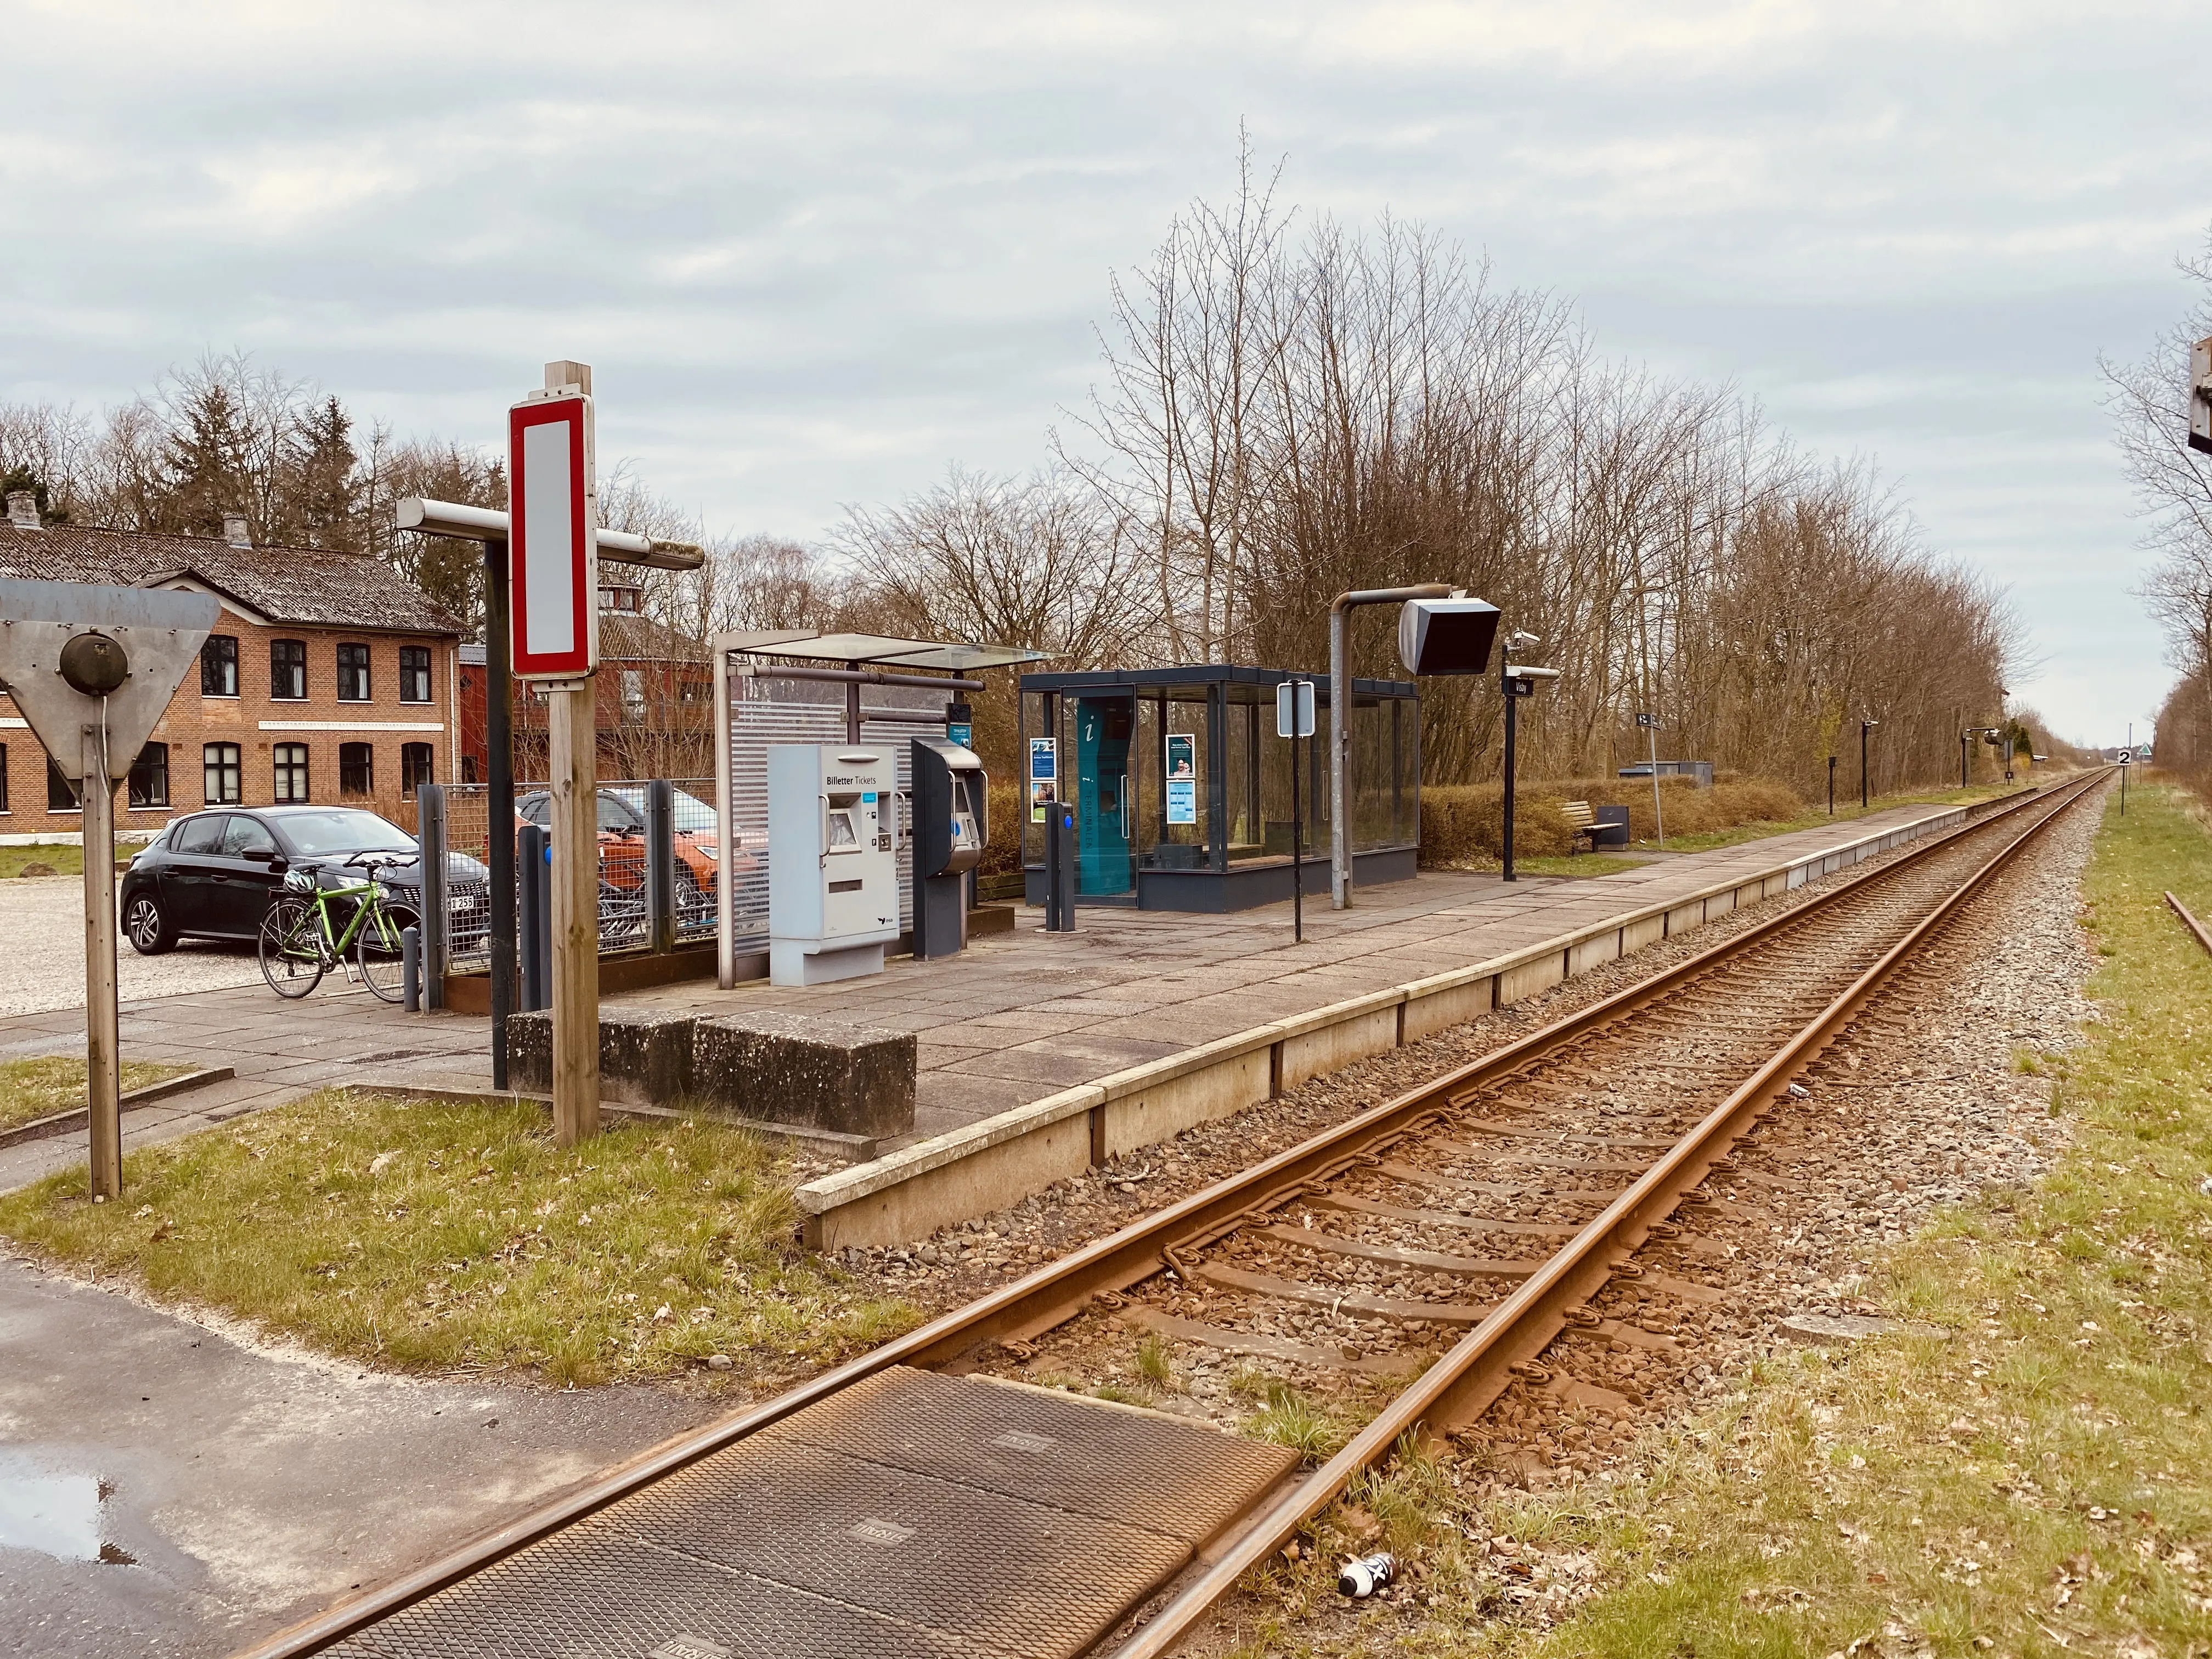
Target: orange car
pixel 622 842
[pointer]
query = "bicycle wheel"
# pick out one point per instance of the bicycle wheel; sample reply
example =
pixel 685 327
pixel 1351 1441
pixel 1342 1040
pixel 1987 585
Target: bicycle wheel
pixel 378 949
pixel 291 948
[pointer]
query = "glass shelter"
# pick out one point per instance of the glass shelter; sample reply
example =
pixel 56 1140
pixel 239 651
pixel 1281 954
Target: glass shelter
pixel 1181 789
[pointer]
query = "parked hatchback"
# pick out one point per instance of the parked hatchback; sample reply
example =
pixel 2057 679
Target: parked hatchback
pixel 211 875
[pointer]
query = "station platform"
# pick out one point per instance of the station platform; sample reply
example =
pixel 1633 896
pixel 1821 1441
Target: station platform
pixel 1042 1053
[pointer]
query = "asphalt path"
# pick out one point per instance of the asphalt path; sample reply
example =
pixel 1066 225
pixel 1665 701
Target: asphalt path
pixel 167 1490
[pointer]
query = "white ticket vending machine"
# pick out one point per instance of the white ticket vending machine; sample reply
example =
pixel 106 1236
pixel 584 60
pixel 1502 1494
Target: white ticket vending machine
pixel 833 898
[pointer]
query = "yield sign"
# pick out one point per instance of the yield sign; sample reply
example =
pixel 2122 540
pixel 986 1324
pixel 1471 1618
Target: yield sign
pixel 552 539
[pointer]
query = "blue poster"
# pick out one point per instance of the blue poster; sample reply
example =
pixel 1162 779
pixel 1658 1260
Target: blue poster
pixel 1183 778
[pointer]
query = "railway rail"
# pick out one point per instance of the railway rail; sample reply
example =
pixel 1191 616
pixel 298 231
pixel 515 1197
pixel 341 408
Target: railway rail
pixel 1456 1237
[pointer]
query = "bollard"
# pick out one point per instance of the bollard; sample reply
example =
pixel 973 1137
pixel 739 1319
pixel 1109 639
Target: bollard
pixel 411 968
pixel 661 864
pixel 1060 869
pixel 530 868
pixel 437 904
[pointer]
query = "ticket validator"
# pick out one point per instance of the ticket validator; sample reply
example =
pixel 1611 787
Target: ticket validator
pixel 951 823
pixel 833 899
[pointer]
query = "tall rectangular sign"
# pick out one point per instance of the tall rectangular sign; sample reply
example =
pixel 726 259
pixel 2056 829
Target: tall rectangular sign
pixel 552 537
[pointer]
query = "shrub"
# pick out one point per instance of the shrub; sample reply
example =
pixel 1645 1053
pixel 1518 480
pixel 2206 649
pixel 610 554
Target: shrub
pixel 1465 824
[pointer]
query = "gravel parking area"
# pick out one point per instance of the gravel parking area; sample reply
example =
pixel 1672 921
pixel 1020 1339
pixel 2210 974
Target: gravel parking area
pixel 42 919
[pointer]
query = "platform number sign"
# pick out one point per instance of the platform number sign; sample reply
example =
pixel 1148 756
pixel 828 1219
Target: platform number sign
pixel 2200 396
pixel 1294 708
pixel 552 546
pixel 1647 722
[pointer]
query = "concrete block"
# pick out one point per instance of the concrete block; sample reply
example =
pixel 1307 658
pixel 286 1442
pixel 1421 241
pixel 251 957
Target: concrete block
pixel 1166 1108
pixel 1642 935
pixel 645 1054
pixel 1719 905
pixel 1518 984
pixel 1592 953
pixel 1685 918
pixel 787 1068
pixel 1453 1004
pixel 987 1179
pixel 1330 1048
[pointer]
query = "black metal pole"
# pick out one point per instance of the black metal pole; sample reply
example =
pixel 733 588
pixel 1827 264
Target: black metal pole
pixel 1832 786
pixel 1865 799
pixel 1966 742
pixel 498 804
pixel 1511 703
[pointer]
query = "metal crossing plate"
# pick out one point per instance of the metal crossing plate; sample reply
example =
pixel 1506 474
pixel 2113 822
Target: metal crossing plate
pixel 911 1515
pixel 595 1592
pixel 1136 1467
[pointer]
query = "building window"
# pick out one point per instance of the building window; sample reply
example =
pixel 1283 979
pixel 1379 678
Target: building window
pixel 219 666
pixel 353 673
pixel 4 777
pixel 61 792
pixel 220 761
pixel 633 696
pixel 356 769
pixel 288 670
pixel 149 777
pixel 291 774
pixel 414 767
pixel 468 775
pixel 414 673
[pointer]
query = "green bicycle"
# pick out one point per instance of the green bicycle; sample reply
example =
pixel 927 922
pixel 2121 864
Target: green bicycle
pixel 301 942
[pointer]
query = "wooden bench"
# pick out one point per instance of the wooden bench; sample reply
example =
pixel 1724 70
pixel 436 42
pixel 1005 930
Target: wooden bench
pixel 1582 820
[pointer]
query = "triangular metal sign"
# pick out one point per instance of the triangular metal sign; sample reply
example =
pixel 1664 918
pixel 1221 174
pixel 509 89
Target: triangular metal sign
pixel 159 632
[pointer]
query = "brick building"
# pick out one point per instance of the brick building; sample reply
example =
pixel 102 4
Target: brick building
pixel 654 695
pixel 328 677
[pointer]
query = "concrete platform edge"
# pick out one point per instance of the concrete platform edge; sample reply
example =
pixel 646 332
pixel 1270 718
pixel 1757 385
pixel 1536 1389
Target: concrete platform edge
pixel 911 1193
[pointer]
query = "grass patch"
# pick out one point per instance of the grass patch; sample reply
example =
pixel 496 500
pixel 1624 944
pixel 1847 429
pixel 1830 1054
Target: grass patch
pixel 1577 865
pixel 437 1237
pixel 32 1089
pixel 59 858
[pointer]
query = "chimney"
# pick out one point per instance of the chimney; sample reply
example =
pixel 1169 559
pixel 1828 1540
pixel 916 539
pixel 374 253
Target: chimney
pixel 23 509
pixel 234 530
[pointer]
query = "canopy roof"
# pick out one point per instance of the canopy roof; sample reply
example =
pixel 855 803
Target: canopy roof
pixel 805 645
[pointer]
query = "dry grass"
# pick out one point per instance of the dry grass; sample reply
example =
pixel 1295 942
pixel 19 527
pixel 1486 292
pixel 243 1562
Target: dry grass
pixel 1465 824
pixel 2038 1481
pixel 32 1089
pixel 439 1237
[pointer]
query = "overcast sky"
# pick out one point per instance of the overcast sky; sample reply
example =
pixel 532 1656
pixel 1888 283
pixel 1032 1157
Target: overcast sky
pixel 816 253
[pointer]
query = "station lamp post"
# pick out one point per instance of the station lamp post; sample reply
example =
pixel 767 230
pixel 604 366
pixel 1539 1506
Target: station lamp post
pixel 1515 682
pixel 1966 745
pixel 1865 794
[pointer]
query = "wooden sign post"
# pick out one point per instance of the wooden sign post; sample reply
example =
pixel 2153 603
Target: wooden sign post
pixel 553 556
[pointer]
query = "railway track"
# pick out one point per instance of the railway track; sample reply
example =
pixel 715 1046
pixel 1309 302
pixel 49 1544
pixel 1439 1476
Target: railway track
pixel 1502 1224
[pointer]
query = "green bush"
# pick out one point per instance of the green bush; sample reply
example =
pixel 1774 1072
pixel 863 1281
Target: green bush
pixel 1465 824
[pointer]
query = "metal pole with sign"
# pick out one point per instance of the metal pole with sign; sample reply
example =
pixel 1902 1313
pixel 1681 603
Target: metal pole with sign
pixel 554 586
pixel 1294 719
pixel 91 669
pixel 1650 725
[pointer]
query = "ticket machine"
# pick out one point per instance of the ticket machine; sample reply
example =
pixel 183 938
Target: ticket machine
pixel 833 899
pixel 951 822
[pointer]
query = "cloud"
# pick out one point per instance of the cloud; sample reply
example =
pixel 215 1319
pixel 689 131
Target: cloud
pixel 816 253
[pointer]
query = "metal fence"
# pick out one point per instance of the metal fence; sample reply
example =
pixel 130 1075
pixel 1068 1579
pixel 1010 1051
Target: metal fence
pixel 627 890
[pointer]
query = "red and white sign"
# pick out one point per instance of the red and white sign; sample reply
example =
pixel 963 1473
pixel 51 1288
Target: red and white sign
pixel 552 550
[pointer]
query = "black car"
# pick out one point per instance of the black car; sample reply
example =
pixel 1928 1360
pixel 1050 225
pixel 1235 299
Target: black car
pixel 212 875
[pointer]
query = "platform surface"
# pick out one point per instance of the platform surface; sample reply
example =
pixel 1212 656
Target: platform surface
pixel 1014 1018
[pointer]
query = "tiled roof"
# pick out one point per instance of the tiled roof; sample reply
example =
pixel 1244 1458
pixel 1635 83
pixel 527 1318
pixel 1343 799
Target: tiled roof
pixel 625 636
pixel 298 587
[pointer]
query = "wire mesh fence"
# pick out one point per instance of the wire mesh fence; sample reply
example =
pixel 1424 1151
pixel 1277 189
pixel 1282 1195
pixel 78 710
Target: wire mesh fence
pixel 625 908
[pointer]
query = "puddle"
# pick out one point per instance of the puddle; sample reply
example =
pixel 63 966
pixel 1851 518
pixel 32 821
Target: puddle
pixel 57 1514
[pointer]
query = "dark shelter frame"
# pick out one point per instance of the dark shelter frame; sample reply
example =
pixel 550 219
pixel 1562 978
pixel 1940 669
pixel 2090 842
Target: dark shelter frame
pixel 1112 727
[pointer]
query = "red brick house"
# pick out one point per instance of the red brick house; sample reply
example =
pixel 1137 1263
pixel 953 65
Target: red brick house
pixel 655 701
pixel 328 677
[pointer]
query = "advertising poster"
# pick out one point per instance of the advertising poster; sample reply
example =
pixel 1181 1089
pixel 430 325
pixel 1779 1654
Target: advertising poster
pixel 1043 777
pixel 1182 778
